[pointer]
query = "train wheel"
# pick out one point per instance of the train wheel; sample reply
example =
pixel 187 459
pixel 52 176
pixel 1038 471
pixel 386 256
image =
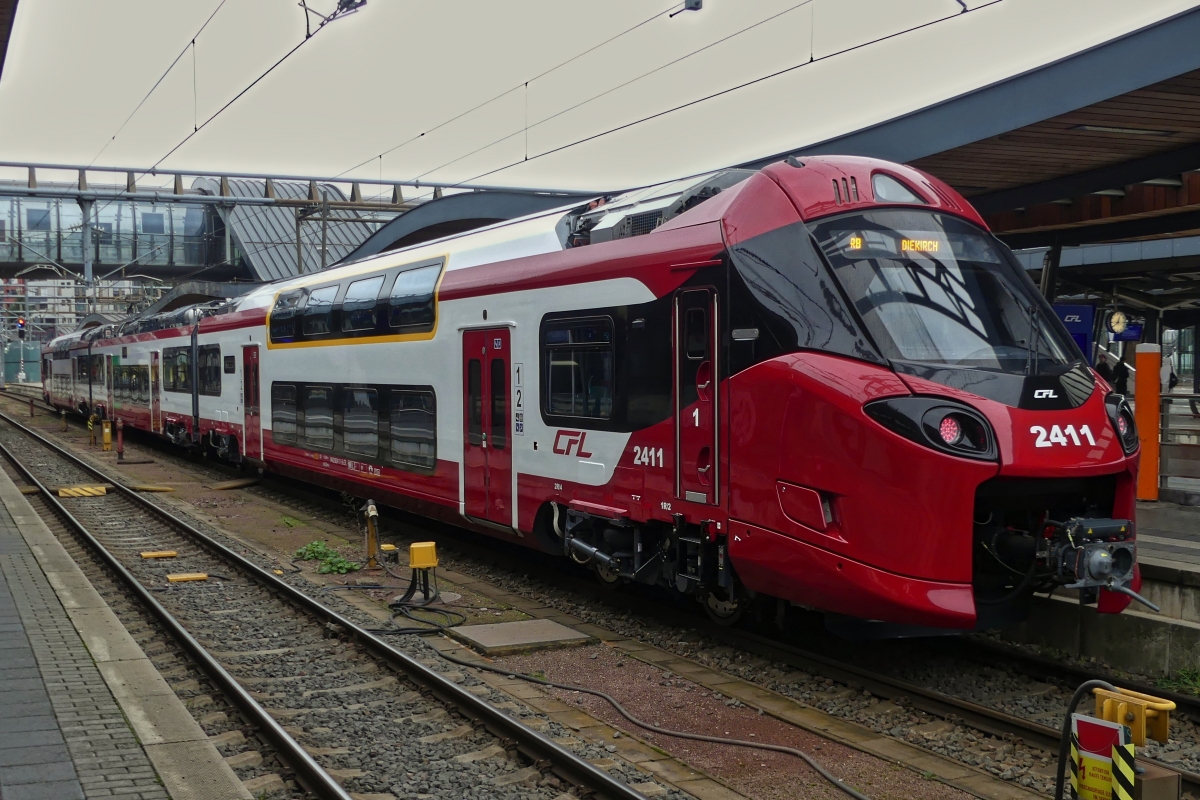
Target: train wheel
pixel 609 580
pixel 726 606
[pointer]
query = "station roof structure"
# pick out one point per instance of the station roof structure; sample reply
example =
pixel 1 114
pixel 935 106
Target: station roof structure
pixel 1066 123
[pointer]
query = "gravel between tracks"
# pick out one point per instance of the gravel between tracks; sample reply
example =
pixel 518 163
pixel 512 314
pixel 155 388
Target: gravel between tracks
pixel 370 727
pixel 997 685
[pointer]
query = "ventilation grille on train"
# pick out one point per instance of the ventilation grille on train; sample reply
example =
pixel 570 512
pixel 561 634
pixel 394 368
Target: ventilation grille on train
pixel 644 223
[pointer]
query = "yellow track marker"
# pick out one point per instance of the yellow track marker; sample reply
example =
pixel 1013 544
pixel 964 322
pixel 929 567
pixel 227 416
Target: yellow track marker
pixel 146 487
pixel 159 554
pixel 82 491
pixel 388 548
pixel 180 577
pixel 239 483
pixel 277 571
pixel 30 490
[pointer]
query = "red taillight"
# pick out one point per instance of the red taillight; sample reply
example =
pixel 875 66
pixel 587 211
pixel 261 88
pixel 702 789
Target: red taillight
pixel 950 430
pixel 1122 425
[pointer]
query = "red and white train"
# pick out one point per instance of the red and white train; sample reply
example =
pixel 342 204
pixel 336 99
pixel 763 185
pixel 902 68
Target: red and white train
pixel 824 383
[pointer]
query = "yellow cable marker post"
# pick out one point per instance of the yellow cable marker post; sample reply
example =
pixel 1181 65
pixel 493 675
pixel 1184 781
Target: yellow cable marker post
pixel 182 577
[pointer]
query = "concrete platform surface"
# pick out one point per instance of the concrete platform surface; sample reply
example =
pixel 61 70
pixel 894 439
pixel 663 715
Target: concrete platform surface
pixel 501 638
pixel 1169 533
pixel 83 711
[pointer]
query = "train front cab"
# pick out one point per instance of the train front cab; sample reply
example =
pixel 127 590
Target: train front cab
pixel 913 437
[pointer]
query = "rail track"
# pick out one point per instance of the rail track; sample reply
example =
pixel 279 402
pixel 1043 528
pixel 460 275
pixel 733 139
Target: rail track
pixel 377 713
pixel 983 714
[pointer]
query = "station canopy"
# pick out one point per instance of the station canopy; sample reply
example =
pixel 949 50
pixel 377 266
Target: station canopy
pixel 1068 123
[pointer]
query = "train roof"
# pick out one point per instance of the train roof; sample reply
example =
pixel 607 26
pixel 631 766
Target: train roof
pixel 814 186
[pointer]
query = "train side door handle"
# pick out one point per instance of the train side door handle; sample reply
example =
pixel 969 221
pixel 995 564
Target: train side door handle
pixel 704 469
pixel 704 385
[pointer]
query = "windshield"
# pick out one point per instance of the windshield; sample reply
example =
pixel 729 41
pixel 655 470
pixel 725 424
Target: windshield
pixel 933 289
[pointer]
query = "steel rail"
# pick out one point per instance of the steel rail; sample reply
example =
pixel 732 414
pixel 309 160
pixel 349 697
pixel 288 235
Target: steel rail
pixel 309 772
pixel 974 715
pixel 536 746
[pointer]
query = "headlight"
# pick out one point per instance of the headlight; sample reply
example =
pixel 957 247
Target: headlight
pixel 945 425
pixel 1121 417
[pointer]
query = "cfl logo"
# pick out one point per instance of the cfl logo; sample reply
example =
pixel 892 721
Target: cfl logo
pixel 565 441
pixel 1044 394
pixel 1072 318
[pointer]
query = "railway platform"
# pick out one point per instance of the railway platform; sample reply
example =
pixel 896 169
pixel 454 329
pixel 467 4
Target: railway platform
pixel 83 712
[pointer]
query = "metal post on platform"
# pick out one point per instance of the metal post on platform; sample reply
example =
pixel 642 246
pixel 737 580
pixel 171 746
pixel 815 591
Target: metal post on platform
pixel 120 440
pixel 324 230
pixel 372 515
pixel 1147 393
pixel 85 206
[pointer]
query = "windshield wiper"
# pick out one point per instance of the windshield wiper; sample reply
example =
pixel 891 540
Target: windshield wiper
pixel 1035 329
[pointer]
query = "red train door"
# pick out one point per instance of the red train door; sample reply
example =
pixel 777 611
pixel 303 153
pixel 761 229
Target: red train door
pixel 251 403
pixel 696 462
pixel 155 394
pixel 487 433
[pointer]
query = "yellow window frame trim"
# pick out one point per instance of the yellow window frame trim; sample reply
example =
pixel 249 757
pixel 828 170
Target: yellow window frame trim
pixel 342 341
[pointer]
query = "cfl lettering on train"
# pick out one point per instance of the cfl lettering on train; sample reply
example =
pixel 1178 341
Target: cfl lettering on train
pixel 571 443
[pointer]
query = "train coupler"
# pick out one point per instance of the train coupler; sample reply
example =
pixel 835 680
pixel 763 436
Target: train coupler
pixel 1090 554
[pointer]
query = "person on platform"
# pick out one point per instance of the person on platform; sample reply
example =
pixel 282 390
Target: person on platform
pixel 1121 376
pixel 1104 370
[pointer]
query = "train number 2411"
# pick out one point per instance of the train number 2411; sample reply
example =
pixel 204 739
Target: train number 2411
pixel 648 456
pixel 1057 435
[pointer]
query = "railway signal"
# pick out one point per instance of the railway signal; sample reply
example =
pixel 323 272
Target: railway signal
pixel 20 327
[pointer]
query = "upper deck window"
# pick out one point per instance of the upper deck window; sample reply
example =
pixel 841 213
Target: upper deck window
pixel 318 313
pixel 358 307
pixel 283 316
pixel 412 300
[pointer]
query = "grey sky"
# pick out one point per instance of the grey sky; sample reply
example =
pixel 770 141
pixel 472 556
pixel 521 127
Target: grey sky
pixel 379 78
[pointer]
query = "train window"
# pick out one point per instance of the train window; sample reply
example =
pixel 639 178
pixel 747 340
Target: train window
pixel 283 413
pixel 318 417
pixel 889 190
pixel 696 333
pixel 577 361
pixel 209 363
pixel 318 313
pixel 499 389
pixel 413 426
pixel 360 421
pixel 230 365
pixel 283 316
pixel 358 306
pixel 412 298
pixel 474 402
pixel 177 370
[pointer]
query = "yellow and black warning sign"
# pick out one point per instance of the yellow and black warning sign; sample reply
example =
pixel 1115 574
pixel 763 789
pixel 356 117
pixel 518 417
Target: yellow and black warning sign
pixel 1123 771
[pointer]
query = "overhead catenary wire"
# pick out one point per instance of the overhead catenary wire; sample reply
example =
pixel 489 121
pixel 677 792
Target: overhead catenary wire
pixel 713 95
pixel 618 87
pixel 191 44
pixel 507 92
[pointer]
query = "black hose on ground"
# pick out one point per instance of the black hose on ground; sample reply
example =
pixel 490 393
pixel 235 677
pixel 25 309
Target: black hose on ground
pixel 1064 746
pixel 699 737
